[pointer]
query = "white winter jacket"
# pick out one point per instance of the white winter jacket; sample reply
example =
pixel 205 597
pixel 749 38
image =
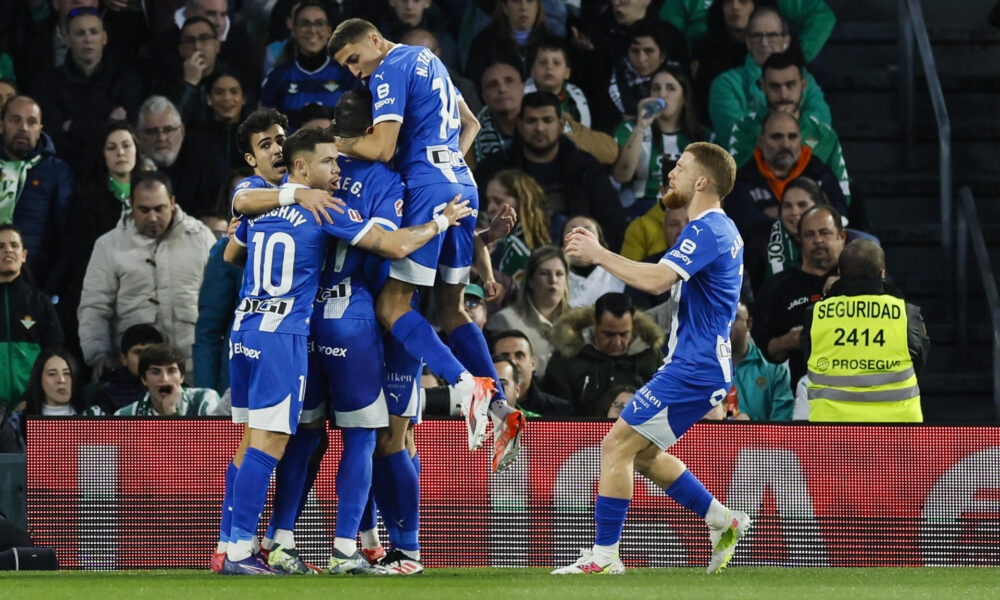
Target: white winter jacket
pixel 133 279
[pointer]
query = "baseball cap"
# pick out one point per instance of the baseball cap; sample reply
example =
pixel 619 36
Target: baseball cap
pixel 474 290
pixel 353 114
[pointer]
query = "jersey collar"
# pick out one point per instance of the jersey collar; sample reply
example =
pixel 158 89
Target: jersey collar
pixel 710 210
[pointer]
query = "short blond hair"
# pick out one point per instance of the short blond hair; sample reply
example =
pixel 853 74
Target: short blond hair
pixel 717 165
pixel 349 32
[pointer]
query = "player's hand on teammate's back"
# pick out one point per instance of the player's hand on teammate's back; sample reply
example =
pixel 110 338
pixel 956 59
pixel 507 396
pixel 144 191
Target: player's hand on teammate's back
pixel 317 201
pixel 456 211
pixel 502 224
pixel 583 244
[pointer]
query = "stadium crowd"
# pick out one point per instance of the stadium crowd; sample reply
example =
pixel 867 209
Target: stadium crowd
pixel 119 156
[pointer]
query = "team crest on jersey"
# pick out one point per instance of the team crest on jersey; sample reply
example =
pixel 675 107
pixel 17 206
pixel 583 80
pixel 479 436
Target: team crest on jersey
pixel 354 215
pixel 331 86
pixel 293 88
pixel 243 185
pixel 399 207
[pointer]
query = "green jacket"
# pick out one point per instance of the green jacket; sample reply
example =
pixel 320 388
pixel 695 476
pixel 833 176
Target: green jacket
pixel 28 323
pixel 194 402
pixel 813 20
pixel 764 389
pixel 820 137
pixel 736 93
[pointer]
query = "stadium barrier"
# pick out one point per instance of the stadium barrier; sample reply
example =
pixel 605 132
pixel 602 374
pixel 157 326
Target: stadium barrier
pixel 145 494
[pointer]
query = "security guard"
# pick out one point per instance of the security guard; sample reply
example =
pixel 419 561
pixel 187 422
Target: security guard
pixel 867 345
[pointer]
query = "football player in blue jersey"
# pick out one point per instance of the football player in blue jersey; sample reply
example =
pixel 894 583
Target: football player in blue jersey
pixel 421 121
pixel 268 344
pixel 260 138
pixel 697 372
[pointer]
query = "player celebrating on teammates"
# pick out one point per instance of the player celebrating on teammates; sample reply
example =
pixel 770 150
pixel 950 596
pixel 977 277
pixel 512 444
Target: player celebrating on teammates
pixel 697 372
pixel 260 138
pixel 268 344
pixel 417 109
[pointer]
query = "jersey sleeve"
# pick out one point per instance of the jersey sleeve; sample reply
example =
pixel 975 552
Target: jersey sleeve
pixel 695 249
pixel 240 235
pixel 350 227
pixel 389 94
pixel 247 183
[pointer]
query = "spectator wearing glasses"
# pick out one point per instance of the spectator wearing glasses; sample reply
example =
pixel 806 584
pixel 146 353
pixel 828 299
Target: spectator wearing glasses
pixel 306 75
pixel 85 91
pixel 737 92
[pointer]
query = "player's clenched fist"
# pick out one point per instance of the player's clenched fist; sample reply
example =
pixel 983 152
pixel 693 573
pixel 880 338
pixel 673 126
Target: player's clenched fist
pixel 583 244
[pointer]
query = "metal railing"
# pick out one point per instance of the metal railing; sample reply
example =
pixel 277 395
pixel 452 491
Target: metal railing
pixel 969 227
pixel 913 28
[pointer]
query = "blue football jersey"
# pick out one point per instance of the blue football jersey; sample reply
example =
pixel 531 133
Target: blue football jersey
pixel 285 253
pixel 412 86
pixel 708 256
pixel 289 88
pixel 253 182
pixel 373 192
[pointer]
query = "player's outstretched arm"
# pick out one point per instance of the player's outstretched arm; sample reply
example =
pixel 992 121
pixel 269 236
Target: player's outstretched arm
pixel 379 145
pixel 470 127
pixel 648 277
pixel 401 242
pixel 260 200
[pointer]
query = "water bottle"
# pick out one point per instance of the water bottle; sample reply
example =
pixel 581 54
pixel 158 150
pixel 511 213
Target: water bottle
pixel 653 107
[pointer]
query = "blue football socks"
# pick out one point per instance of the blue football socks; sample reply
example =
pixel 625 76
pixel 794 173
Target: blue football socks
pixel 354 479
pixel 227 503
pixel 421 341
pixel 384 491
pixel 690 493
pixel 290 479
pixel 609 513
pixel 407 498
pixel 249 493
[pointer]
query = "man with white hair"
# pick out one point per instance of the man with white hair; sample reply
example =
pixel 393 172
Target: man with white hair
pixel 191 169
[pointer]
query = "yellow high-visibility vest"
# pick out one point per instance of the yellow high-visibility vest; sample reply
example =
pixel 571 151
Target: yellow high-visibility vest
pixel 859 364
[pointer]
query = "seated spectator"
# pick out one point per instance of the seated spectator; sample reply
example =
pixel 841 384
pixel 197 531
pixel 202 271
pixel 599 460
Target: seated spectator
pixel 542 298
pixel 193 170
pixel 31 321
pixel 306 75
pixel 779 310
pixel 632 76
pixel 53 386
pixel 599 347
pixel 517 28
pixel 812 19
pixel 617 399
pixel 653 233
pixel 737 92
pixel 87 90
pixel 779 158
pixel 519 191
pixel 8 89
pixel 763 388
pixel 502 91
pixel 784 87
pixel 237 50
pixel 882 385
pixel 37 36
pixel 216 136
pixel 419 36
pixel 650 147
pixel 550 72
pixel 147 270
pixel 96 207
pixel 573 180
pixel 411 14
pixel 316 116
pixel 509 378
pixel 161 369
pixel 122 386
pixel 588 282
pixel 475 306
pixel 514 346
pixel 724 47
pixel 35 192
pixel 774 247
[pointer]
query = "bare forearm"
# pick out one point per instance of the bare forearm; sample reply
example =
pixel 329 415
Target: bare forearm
pixel 483 263
pixel 398 243
pixel 655 278
pixel 470 128
pixel 234 254
pixel 777 350
pixel 628 158
pixel 256 201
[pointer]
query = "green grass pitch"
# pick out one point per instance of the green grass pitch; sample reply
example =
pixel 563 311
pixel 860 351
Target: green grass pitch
pixel 521 584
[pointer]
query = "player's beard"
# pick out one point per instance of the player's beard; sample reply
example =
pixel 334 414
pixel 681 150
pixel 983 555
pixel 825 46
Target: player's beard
pixel 675 199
